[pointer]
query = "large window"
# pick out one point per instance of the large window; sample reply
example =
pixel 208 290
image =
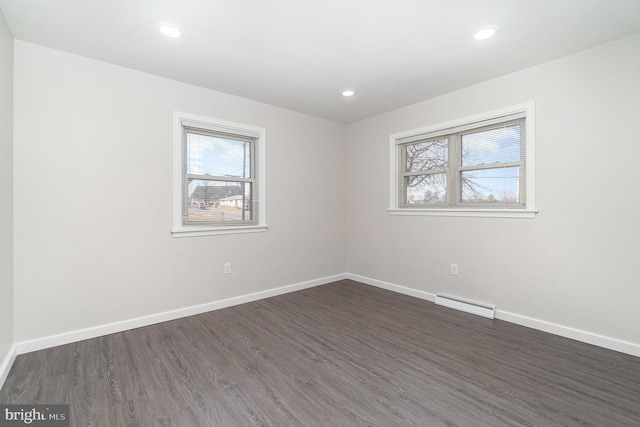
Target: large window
pixel 218 177
pixel 477 166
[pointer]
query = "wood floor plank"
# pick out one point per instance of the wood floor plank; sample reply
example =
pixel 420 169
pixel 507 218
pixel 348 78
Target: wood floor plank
pixel 342 354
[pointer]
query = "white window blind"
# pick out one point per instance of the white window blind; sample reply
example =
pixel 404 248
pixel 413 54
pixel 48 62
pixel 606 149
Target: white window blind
pixel 220 183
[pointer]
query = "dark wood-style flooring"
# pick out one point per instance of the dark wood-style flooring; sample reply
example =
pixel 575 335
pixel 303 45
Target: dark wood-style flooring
pixel 342 354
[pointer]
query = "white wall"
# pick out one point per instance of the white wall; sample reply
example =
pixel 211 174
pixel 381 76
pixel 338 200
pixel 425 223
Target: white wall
pixel 92 198
pixel 6 189
pixel 93 169
pixel 576 263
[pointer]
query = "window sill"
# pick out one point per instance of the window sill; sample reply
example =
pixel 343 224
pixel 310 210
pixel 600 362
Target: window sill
pixel 481 213
pixel 198 231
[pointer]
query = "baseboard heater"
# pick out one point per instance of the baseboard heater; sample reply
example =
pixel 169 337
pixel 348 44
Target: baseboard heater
pixel 480 309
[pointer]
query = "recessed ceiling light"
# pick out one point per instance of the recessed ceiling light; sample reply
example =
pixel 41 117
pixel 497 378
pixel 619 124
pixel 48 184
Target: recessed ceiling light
pixel 485 33
pixel 170 31
pixel 348 93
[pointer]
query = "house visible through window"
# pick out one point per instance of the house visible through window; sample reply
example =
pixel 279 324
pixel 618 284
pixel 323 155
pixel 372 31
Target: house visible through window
pixel 221 174
pixel 480 166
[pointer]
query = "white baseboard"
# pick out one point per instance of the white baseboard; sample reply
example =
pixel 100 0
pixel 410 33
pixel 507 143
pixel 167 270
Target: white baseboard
pixel 138 322
pixel 541 325
pixel 568 332
pixel 93 332
pixel 391 287
pixel 7 363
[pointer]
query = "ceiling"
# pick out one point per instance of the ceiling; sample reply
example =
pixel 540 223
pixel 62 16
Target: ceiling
pixel 301 54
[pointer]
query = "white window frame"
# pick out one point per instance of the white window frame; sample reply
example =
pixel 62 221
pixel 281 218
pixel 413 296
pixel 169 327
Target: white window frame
pixel 395 153
pixel 182 120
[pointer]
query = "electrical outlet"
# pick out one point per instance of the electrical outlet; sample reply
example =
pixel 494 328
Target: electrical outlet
pixel 454 269
pixel 227 268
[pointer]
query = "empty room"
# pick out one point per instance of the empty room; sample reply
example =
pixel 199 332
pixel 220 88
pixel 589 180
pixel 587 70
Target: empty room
pixel 319 213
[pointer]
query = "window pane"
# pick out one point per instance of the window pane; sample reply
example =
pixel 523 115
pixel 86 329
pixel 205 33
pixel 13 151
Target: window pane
pixel 427 155
pixel 426 189
pixel 499 185
pixel 492 146
pixel 219 201
pixel 217 156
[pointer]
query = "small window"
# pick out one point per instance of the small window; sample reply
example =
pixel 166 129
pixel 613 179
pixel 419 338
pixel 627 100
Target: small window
pixel 478 166
pixel 218 177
